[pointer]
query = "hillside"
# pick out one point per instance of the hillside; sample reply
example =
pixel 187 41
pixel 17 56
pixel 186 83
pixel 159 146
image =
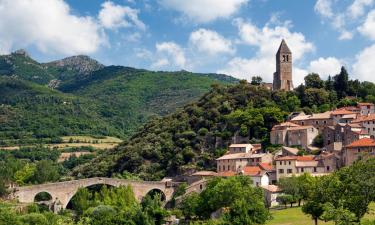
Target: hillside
pixel 192 137
pixel 29 111
pixel 119 98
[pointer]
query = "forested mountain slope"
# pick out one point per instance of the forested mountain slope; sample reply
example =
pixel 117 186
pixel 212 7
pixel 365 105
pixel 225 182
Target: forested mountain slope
pixel 85 97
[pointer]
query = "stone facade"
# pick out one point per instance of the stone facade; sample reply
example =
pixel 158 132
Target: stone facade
pixel 283 79
pixel 362 148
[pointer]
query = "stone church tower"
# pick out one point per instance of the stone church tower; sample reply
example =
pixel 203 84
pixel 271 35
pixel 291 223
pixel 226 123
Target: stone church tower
pixel 282 78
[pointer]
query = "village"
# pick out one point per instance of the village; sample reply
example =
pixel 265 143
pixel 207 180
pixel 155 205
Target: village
pixel 348 135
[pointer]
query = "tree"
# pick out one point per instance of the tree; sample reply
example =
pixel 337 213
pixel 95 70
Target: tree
pixel 314 209
pixel 45 171
pixel 286 199
pixel 341 83
pixel 257 80
pixel 313 80
pixel 242 203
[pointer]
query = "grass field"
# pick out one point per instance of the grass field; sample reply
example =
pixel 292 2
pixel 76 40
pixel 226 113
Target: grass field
pixel 295 216
pixel 78 141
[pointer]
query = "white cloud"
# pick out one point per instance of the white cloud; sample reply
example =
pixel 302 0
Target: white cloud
pixel 368 27
pixel 169 54
pixel 325 66
pixel 210 42
pixel 113 16
pixel 203 11
pixel 324 8
pixel 357 8
pixel 364 68
pixel 56 30
pixel 266 40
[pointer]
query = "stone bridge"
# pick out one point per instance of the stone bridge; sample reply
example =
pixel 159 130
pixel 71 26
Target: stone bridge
pixel 63 192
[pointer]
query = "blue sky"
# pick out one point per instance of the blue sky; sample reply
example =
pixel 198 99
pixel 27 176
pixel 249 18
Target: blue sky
pixel 235 37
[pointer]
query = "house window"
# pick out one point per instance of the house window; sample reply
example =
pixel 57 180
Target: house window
pixel 316 122
pixel 228 167
pixel 325 122
pixel 302 170
pixel 281 171
pixel 219 168
pixel 201 187
pixel 289 171
pixel 303 123
pixel 290 163
pixel 281 163
pixel 314 169
pixel 328 168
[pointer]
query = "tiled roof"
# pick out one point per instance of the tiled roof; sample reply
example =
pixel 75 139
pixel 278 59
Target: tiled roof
pixel 266 166
pixel 360 119
pixel 298 158
pixel 236 156
pixel 364 142
pixel 271 188
pixel 294 151
pixel 341 112
pixel 325 115
pixel 251 170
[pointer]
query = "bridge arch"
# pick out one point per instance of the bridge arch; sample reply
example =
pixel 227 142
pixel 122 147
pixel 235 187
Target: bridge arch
pixel 43 196
pixel 156 191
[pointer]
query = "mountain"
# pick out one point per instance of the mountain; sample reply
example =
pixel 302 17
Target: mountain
pixel 121 98
pixel 31 111
pixel 192 137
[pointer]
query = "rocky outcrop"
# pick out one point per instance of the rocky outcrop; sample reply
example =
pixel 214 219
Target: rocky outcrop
pixel 81 64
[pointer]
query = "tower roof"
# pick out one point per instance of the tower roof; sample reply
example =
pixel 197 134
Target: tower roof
pixel 283 48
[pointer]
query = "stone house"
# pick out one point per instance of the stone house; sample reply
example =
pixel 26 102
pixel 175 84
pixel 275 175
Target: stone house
pixel 234 162
pixel 368 122
pixel 287 166
pixel 290 134
pixel 359 149
pixel 301 136
pixel 271 192
pixel 279 132
pixel 366 108
pixel 318 120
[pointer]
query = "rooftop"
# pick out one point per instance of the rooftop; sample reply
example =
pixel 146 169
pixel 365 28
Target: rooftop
pixel 364 142
pixel 240 145
pixel 297 158
pixel 365 104
pixel 236 156
pixel 342 111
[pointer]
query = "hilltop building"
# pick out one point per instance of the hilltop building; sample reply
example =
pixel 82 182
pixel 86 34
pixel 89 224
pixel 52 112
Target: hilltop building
pixel 282 78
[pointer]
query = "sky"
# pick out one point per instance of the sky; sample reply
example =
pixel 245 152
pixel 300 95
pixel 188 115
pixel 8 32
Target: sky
pixel 235 37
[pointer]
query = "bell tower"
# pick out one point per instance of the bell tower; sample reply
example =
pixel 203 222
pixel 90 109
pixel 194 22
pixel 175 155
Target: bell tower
pixel 282 78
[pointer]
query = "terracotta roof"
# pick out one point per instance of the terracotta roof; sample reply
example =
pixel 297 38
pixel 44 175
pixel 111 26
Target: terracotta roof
pixel 325 115
pixel 271 188
pixel 365 104
pixel 364 142
pixel 266 166
pixel 251 170
pixel 298 158
pixel 360 119
pixel 341 112
pixel 301 117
